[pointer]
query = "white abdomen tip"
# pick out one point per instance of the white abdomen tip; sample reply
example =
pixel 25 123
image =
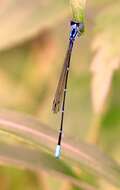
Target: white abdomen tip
pixel 58 151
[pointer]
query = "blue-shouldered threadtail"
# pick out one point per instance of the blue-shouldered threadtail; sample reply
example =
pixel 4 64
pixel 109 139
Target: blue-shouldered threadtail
pixel 76 30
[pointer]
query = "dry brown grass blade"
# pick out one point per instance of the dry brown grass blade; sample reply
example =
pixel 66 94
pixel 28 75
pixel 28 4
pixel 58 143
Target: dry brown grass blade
pixel 107 55
pixel 22 20
pixel 103 66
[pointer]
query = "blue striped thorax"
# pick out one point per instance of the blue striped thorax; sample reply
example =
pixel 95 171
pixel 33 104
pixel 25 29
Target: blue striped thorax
pixel 76 29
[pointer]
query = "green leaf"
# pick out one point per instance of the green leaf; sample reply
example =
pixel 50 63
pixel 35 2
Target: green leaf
pixel 36 160
pixel 43 138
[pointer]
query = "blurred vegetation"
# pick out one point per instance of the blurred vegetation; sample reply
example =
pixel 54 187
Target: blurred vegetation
pixel 33 41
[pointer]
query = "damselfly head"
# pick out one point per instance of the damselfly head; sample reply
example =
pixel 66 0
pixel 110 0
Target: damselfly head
pixel 76 29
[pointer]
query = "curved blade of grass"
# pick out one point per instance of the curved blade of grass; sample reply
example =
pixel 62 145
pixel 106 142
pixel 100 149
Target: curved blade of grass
pixel 37 160
pixel 88 156
pixel 21 20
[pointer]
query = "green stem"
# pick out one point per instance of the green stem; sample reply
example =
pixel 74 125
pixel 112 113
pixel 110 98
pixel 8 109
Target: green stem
pixel 78 10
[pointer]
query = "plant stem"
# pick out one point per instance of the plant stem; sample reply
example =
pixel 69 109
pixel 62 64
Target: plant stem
pixel 78 10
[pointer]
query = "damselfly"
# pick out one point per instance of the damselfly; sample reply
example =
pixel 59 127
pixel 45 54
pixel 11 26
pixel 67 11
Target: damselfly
pixel 60 95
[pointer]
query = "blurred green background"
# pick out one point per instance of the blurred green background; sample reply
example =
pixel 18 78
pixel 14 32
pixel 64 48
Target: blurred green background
pixel 33 40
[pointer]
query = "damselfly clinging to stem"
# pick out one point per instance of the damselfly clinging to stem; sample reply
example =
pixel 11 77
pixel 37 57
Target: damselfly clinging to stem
pixel 76 30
